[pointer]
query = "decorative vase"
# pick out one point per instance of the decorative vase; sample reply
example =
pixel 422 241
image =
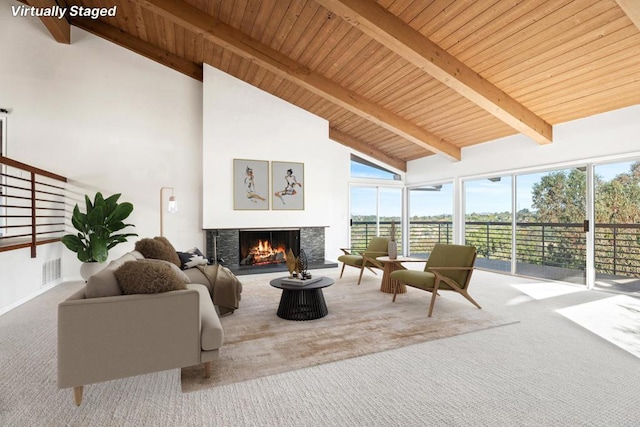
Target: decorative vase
pixel 392 249
pixel 88 269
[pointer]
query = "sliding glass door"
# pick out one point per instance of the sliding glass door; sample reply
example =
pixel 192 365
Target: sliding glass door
pixel 551 239
pixel 617 226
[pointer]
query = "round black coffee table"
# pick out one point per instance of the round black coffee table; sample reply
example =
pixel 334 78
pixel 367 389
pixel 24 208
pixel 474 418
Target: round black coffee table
pixel 302 302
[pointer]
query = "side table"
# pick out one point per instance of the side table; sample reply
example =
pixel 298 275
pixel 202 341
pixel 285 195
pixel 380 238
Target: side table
pixel 302 302
pixel 391 265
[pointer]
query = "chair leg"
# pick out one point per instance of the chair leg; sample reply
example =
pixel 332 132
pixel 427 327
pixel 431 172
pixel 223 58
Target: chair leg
pixel 360 278
pixel 395 290
pixel 77 395
pixel 471 300
pixel 434 295
pixel 342 271
pixel 207 369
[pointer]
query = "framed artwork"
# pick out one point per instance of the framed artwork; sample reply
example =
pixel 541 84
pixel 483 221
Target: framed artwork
pixel 250 184
pixel 288 186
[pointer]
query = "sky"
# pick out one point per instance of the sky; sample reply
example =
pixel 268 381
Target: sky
pixel 482 196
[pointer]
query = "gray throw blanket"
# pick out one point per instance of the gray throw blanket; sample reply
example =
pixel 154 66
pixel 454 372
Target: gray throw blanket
pixel 226 287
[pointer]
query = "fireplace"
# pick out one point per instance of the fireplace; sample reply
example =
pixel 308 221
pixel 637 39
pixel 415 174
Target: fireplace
pixel 224 246
pixel 267 247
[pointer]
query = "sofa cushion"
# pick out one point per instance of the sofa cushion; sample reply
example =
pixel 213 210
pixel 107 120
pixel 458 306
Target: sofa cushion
pixel 197 276
pixel 103 283
pixel 158 248
pixel 140 277
pixel 192 258
pixel 136 255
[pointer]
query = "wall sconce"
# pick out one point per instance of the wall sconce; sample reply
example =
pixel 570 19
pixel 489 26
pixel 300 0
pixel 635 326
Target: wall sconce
pixel 172 207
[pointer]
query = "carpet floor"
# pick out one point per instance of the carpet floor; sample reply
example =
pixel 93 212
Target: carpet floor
pixel 544 370
pixel 361 320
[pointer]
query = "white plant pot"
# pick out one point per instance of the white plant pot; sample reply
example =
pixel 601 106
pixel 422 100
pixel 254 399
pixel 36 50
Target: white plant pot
pixel 392 248
pixel 88 269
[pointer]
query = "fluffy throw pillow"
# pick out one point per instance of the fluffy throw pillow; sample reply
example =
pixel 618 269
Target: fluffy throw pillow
pixel 179 273
pixel 191 258
pixel 173 253
pixel 139 277
pixel 158 248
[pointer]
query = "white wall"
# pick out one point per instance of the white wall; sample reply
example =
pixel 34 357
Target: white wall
pixel 608 134
pixel 243 122
pixel 99 114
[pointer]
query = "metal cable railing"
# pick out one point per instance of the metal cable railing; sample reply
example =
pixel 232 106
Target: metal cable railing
pixel 617 246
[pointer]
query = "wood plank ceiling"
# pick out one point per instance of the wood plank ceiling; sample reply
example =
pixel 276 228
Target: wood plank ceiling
pixel 400 79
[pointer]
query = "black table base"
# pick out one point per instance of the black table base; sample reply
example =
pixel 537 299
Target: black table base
pixel 302 304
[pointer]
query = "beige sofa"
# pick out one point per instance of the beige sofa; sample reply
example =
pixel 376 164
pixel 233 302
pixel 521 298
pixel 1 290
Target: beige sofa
pixel 102 336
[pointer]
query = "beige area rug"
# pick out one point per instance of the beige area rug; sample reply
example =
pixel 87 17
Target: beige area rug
pixel 361 320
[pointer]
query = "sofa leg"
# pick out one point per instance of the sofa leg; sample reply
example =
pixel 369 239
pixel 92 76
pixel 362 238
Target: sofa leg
pixel 77 395
pixel 207 369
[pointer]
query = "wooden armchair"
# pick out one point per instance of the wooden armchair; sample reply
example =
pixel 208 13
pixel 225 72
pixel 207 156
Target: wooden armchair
pixel 378 246
pixel 448 268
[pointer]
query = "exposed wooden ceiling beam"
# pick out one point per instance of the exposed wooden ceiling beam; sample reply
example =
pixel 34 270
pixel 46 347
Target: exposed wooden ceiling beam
pixel 59 28
pixel 239 43
pixel 364 148
pixel 632 9
pixel 381 25
pixel 139 46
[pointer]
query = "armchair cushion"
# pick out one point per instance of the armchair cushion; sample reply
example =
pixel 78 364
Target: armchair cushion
pixel 139 277
pixel 378 246
pixel 351 259
pixel 415 278
pixel 450 257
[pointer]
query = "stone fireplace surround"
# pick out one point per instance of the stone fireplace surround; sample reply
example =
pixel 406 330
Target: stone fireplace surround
pixel 227 244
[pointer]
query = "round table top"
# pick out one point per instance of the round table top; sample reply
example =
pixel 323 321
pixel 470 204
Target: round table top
pixel 322 283
pixel 401 259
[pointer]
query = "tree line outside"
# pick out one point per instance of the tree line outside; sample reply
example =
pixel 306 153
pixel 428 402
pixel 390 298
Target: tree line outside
pixel 551 233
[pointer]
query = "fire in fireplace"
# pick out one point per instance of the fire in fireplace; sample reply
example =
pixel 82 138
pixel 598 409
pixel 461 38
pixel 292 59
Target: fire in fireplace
pixel 265 247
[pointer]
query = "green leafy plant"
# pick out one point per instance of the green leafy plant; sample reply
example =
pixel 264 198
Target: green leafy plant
pixel 98 227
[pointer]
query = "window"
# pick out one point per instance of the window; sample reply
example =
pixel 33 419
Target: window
pixel 361 168
pixel 373 210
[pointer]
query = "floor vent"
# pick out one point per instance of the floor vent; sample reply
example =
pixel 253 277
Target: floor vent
pixel 51 270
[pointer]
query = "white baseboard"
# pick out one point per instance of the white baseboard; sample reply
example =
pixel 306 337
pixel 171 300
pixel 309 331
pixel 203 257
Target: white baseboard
pixel 40 291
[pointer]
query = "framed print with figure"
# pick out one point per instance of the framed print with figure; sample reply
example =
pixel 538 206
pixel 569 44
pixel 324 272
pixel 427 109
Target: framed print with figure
pixel 250 184
pixel 288 186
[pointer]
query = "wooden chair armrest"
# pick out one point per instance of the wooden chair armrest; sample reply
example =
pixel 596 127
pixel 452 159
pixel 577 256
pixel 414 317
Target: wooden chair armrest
pixel 347 251
pixel 375 262
pixel 448 281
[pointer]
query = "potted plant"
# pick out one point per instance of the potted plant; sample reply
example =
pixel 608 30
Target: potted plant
pixel 98 229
